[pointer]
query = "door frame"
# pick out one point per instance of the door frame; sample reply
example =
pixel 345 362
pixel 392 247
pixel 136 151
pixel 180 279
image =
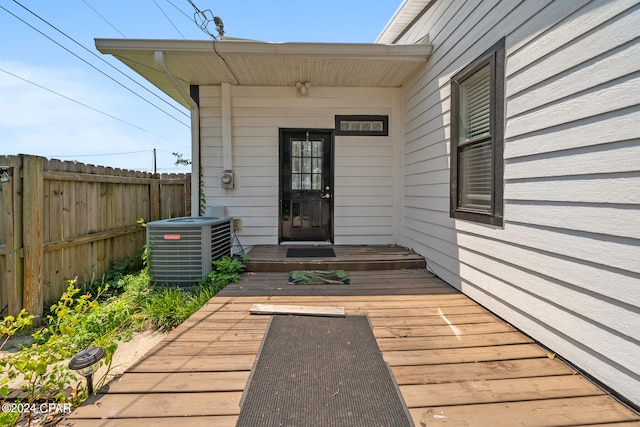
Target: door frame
pixel 330 136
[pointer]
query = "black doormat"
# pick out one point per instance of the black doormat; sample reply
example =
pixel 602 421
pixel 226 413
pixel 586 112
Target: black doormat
pixel 321 371
pixel 310 253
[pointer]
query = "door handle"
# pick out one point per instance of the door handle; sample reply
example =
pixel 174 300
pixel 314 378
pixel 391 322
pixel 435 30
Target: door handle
pixel 326 196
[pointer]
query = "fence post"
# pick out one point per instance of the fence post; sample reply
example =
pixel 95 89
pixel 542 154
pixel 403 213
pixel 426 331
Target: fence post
pixel 33 224
pixel 11 217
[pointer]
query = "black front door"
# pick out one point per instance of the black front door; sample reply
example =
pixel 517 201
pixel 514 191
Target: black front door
pixel 306 185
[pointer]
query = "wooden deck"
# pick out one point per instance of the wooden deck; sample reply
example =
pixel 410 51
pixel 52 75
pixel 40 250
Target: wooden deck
pixel 456 363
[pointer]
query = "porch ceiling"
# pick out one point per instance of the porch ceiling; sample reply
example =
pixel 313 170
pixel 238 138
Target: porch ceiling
pixel 254 63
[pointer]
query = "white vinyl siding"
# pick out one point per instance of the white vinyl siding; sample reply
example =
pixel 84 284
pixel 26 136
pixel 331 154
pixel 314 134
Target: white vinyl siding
pixel 365 210
pixel 565 266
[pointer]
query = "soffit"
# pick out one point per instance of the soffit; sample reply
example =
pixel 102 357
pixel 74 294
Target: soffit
pixel 252 63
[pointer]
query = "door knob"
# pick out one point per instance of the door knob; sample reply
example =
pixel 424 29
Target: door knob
pixel 326 196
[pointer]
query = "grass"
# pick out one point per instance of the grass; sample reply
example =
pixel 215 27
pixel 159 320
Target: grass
pixel 167 307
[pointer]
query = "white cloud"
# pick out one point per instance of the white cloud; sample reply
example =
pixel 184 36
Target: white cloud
pixel 36 121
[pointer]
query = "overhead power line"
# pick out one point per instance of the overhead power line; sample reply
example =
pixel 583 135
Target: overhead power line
pixel 203 18
pixel 168 19
pixel 180 10
pixel 104 19
pixel 105 154
pixel 93 66
pixel 72 100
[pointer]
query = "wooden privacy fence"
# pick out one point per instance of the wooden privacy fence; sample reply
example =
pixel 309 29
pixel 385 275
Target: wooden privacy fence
pixel 61 220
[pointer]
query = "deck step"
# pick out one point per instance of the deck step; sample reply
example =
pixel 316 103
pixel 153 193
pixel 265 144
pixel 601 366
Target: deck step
pixel 273 258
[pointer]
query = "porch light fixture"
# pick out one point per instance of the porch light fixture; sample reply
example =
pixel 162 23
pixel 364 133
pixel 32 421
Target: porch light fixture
pixel 85 363
pixel 303 88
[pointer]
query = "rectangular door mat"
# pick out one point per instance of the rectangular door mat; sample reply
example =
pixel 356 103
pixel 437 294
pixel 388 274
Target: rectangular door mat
pixel 310 253
pixel 321 371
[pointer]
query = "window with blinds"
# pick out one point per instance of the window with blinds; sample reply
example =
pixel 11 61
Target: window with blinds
pixel 474 143
pixel 477 138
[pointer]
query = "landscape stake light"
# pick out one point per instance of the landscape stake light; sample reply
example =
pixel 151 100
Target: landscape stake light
pixel 85 361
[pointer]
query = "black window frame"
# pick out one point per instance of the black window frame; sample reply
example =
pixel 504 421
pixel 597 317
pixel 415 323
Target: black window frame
pixel 495 58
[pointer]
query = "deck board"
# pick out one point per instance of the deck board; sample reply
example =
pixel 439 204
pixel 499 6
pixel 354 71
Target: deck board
pixel 186 382
pixel 154 405
pixel 497 390
pixel 480 371
pixel 455 362
pixel 567 411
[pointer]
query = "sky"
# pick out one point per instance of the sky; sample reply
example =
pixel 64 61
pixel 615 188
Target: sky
pixel 61 98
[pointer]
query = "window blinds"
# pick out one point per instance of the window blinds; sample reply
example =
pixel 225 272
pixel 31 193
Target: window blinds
pixel 474 145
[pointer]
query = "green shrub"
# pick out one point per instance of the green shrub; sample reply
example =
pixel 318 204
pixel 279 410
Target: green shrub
pixel 227 270
pixel 116 277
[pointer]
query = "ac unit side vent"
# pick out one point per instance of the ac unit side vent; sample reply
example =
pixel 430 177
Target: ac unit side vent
pixel 182 249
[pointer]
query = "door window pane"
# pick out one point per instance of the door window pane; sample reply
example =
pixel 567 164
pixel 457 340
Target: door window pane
pixel 306 164
pixel 295 182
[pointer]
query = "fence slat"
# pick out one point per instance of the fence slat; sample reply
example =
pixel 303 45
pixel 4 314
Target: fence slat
pixel 10 287
pixel 33 222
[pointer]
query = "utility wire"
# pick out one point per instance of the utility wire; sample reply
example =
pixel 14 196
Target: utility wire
pixel 207 18
pixel 180 10
pixel 168 19
pixel 93 66
pixel 104 19
pixel 225 61
pixel 73 100
pixel 96 56
pixel 104 154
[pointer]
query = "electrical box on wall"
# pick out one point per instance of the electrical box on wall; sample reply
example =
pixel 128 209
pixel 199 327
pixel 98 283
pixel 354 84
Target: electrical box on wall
pixel 228 180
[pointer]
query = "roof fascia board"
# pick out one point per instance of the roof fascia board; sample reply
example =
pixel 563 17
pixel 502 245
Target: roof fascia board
pixel 414 53
pixel 403 19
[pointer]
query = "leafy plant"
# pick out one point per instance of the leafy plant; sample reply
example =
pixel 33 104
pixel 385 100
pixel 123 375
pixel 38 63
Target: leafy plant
pixel 11 325
pixel 180 160
pixel 8 328
pixel 42 366
pixel 227 270
pixel 112 282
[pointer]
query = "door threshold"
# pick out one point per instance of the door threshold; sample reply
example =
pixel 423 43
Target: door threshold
pixel 284 243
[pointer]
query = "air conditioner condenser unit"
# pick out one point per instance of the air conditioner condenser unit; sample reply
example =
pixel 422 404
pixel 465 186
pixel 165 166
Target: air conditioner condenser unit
pixel 182 249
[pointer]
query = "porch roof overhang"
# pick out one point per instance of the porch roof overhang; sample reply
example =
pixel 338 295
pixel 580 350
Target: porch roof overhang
pixel 256 63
